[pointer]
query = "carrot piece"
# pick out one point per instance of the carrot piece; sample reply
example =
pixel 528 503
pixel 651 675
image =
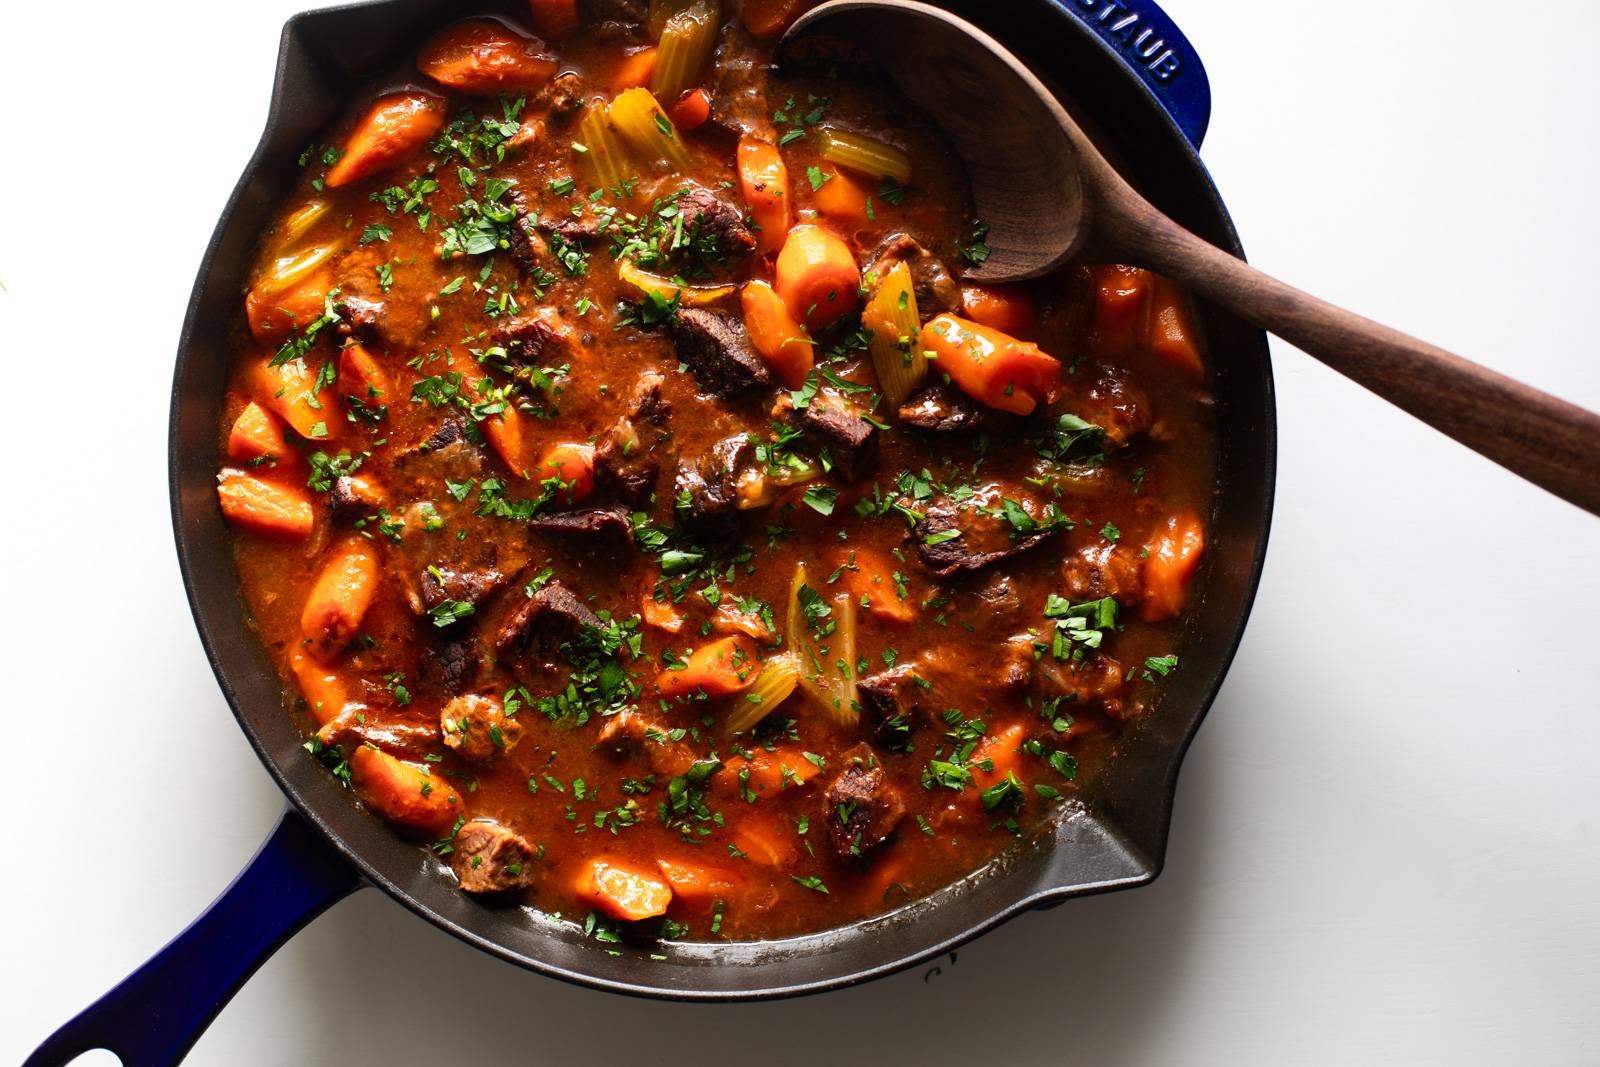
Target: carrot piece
pixel 273 319
pixel 764 184
pixel 719 669
pixel 622 891
pixel 765 840
pixel 1121 303
pixel 817 276
pixel 1007 308
pixel 572 466
pixel 323 689
pixel 262 507
pixel 696 884
pixel 635 70
pixel 484 57
pixel 504 429
pixel 989 366
pixel 554 18
pixel 340 596
pixel 1003 751
pixel 362 383
pixel 765 773
pixel 886 872
pixel 769 18
pixel 660 614
pixel 403 793
pixel 392 130
pixel 290 391
pixel 257 439
pixel 842 197
pixel 692 110
pixel 1174 554
pixel 775 335
pixel 1173 336
pixel 870 578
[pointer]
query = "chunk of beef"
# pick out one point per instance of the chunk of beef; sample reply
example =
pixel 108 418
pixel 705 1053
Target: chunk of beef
pixel 1096 681
pixel 1116 405
pixel 562 97
pixel 936 291
pixel 1102 570
pixel 356 725
pixel 863 809
pixel 999 597
pixel 355 497
pixel 848 442
pixel 539 337
pixel 477 729
pixel 891 699
pixel 544 622
pixel 629 735
pixel 445 455
pixel 593 522
pixel 451 666
pixel 573 229
pixel 624 456
pixel 527 248
pixel 940 409
pixel 713 227
pixel 1014 671
pixel 609 20
pixel 712 484
pixel 490 858
pixel 739 85
pixel 980 531
pixel 397 318
pixel 442 582
pixel 717 350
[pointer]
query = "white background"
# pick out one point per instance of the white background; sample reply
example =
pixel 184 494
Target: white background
pixel 1385 846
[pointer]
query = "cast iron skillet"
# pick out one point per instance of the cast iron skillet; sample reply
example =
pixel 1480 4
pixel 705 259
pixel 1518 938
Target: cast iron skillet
pixel 1135 77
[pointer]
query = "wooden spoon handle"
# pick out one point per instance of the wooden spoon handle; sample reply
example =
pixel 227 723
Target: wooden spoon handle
pixel 1546 440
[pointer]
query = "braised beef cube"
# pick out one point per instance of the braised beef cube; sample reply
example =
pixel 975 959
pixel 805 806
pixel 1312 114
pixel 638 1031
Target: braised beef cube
pixel 526 246
pixel 537 338
pixel 1096 571
pixel 451 666
pixel 477 729
pixel 632 478
pixel 490 858
pixel 586 522
pixel 548 619
pixel 714 229
pixel 863 809
pixel 562 97
pixel 848 441
pixel 609 20
pixel 624 454
pixel 356 725
pixel 1096 681
pixel 354 497
pixel 987 528
pixel 648 403
pixel 931 282
pixel 573 229
pixel 717 351
pixel 890 701
pixel 999 598
pixel 939 409
pixel 395 318
pixel 445 455
pixel 709 488
pixel 1116 405
pixel 739 85
pixel 629 735
pixel 443 583
pixel 1018 658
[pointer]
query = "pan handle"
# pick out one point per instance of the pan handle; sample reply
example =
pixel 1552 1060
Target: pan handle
pixel 155 1015
pixel 1147 40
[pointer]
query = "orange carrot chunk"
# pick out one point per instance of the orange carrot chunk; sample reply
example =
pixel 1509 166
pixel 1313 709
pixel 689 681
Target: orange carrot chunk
pixel 691 111
pixel 870 578
pixel 635 70
pixel 261 507
pixel 362 383
pixel 660 614
pixel 989 366
pixel 484 57
pixel 272 319
pixel 1173 337
pixel 719 669
pixel 1007 308
pixel 403 793
pixel 554 18
pixel 340 597
pixel 1121 304
pixel 781 341
pixel 257 438
pixel 764 184
pixel 503 428
pixel 769 18
pixel 817 276
pixel 568 469
pixel 623 891
pixel 770 842
pixel 764 773
pixel 842 198
pixel 290 391
pixel 393 129
pixel 1002 751
pixel 1169 568
pixel 696 884
pixel 323 689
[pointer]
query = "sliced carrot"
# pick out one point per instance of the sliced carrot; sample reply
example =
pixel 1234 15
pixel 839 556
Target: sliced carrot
pixel 870 578
pixel 989 366
pixel 273 319
pixel 719 669
pixel 1003 751
pixel 769 18
pixel 764 184
pixel 660 614
pixel 323 689
pixel 290 391
pixel 392 130
pixel 1121 304
pixel 362 383
pixel 257 439
pixel 765 773
pixel 1174 554
pixel 263 507
pixel 340 596
pixel 842 198
pixel 781 341
pixel 696 884
pixel 505 428
pixel 1173 335
pixel 691 111
pixel 1007 308
pixel 403 793
pixel 484 57
pixel 572 466
pixel 887 872
pixel 554 18
pixel 817 276
pixel 635 70
pixel 623 891
pixel 767 840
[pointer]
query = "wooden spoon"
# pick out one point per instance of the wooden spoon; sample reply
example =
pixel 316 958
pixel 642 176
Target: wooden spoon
pixel 1051 198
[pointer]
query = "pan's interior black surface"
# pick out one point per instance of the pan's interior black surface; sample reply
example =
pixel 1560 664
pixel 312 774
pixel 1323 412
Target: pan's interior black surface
pixel 1118 842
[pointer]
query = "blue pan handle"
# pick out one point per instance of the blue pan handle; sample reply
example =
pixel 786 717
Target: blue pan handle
pixel 1153 47
pixel 157 1013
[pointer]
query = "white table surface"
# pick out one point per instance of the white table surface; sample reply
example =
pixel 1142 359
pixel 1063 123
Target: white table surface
pixel 1385 846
